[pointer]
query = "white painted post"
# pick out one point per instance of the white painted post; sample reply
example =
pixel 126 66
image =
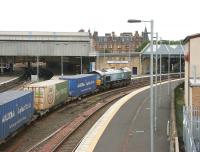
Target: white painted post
pixel 151 92
pixel 156 78
pixel 81 65
pixel 13 61
pixel 37 68
pixel 168 70
pixel 61 66
pixel 1 65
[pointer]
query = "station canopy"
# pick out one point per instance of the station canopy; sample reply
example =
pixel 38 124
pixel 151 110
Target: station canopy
pixel 164 50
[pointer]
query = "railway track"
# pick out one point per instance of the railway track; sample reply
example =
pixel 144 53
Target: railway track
pixel 73 121
pixel 16 85
pixel 87 119
pixel 11 85
pixel 71 142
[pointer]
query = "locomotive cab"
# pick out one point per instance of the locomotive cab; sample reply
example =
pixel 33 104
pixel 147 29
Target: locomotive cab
pixel 99 77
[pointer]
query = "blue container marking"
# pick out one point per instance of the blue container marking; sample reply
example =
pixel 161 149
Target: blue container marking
pixel 80 84
pixel 16 109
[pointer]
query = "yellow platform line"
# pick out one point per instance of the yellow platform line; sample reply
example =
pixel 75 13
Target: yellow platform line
pixel 92 137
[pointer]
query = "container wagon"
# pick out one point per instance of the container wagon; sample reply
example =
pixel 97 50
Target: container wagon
pixel 48 94
pixel 16 110
pixel 81 84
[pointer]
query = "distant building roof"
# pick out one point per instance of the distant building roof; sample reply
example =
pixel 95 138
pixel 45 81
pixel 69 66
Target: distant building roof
pixel 126 34
pixel 44 36
pixel 164 49
pixel 122 39
pixel 145 35
pixel 191 37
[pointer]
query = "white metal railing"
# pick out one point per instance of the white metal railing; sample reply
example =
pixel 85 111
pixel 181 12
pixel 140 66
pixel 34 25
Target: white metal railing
pixel 191 128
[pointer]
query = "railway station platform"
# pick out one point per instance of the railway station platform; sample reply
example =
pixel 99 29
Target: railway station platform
pixel 125 127
pixel 7 79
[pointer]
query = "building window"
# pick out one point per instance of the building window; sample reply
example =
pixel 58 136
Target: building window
pixel 127 46
pixel 100 39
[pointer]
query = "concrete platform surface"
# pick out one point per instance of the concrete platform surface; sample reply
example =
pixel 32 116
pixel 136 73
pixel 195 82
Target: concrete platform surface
pixel 129 128
pixel 5 79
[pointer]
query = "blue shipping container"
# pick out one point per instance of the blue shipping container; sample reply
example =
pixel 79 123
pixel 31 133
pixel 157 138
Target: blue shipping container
pixel 16 109
pixel 80 84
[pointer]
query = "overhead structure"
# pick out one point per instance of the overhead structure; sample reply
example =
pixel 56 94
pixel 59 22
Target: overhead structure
pixel 44 43
pixel 165 53
pixel 164 50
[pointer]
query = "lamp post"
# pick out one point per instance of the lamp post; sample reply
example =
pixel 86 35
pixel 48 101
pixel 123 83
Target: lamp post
pixel 160 92
pixel 151 82
pixel 169 70
pixel 156 78
pixel 104 56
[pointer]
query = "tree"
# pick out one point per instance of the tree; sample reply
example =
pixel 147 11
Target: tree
pixel 142 46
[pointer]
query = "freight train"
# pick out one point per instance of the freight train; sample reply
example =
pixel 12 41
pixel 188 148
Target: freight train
pixel 18 108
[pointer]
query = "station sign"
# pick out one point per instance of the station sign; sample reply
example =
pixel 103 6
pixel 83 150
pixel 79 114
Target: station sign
pixel 117 62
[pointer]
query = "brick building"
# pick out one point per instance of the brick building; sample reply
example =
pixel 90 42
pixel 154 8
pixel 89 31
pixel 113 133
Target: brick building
pixel 118 51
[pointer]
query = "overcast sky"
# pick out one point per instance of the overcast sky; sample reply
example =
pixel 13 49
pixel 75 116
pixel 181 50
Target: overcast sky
pixel 173 19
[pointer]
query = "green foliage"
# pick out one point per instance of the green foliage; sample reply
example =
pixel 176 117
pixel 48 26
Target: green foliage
pixel 106 51
pixel 179 103
pixel 142 46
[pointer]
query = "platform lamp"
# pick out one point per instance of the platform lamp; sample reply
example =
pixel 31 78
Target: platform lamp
pixel 151 82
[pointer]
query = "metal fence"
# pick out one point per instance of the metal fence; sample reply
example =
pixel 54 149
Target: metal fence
pixel 191 128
